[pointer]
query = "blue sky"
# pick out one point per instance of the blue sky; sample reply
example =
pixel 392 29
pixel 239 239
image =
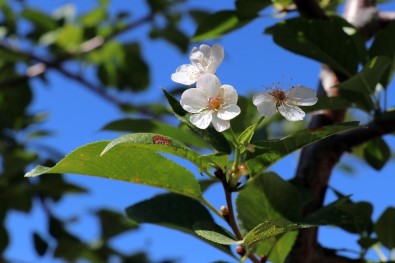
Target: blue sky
pixel 251 63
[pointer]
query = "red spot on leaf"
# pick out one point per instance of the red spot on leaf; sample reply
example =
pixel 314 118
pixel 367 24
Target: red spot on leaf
pixel 159 139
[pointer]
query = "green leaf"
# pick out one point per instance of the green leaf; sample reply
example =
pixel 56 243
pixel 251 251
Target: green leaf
pixel 385 228
pixel 4 237
pixel 322 40
pixel 41 20
pixel 55 187
pixel 218 24
pixel 332 214
pixel 220 160
pixel 361 213
pixel 277 248
pixel 40 244
pixel 264 198
pixel 70 37
pixel 93 17
pixel 270 229
pixel 268 152
pixel 359 87
pixel 376 153
pixel 328 103
pixel 214 233
pixel 140 166
pixel 173 35
pixel 246 136
pixel 173 211
pixel 145 125
pixel 114 223
pixel 248 115
pixel 354 35
pixel 384 45
pixel 367 242
pixel 251 8
pixel 122 66
pixel 159 143
pixel 210 135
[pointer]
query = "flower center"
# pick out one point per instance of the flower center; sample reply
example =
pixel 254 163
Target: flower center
pixel 279 97
pixel 215 103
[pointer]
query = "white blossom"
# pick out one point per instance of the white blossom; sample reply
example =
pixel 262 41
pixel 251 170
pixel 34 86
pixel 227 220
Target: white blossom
pixel 269 102
pixel 211 103
pixel 204 59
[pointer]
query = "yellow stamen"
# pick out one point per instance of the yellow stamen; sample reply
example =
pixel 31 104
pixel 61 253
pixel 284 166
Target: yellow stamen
pixel 215 103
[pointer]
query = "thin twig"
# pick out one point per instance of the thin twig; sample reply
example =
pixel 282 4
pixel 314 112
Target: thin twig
pixel 230 218
pixel 98 90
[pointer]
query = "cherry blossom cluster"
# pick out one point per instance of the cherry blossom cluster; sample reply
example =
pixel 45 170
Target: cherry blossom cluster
pixel 211 102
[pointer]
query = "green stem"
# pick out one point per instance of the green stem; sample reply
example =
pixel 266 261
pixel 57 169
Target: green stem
pixel 379 253
pixel 259 122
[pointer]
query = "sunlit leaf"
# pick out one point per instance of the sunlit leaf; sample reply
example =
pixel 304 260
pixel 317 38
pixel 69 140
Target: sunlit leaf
pixel 173 211
pixel 70 37
pixel 214 233
pixel 159 143
pixel 93 17
pixel 218 24
pixel 268 152
pixel 146 125
pixel 385 228
pixel 270 229
pixel 137 165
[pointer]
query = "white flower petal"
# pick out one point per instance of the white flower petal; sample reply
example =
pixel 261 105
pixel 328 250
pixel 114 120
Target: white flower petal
pixel 220 125
pixel 186 74
pixel 210 84
pixel 300 95
pixel 194 100
pixel 215 58
pixel 267 108
pixel 265 104
pixel 205 49
pixel 201 120
pixel 291 112
pixel 262 97
pixel 228 112
pixel 229 94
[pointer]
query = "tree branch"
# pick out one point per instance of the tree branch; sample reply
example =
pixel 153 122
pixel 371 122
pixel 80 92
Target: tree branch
pixel 98 90
pixel 43 65
pixel 317 161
